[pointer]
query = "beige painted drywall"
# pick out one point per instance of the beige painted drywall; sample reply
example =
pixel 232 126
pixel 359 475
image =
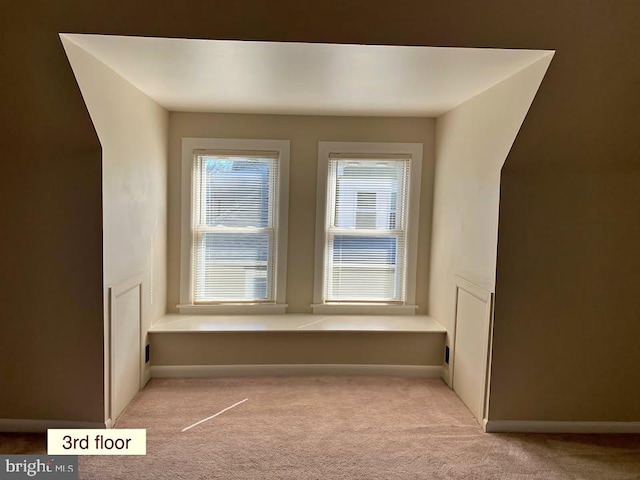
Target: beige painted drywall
pixel 133 132
pixel 233 348
pixel 566 320
pixel 472 143
pixel 304 132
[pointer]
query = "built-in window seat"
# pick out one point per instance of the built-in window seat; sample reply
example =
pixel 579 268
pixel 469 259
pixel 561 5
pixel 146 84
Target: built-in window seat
pixel 232 345
pixel 296 322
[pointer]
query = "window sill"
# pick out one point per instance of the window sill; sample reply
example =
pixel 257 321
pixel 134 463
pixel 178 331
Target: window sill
pixel 362 309
pixel 234 309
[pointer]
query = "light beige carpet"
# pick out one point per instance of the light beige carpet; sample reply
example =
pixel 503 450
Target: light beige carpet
pixel 342 428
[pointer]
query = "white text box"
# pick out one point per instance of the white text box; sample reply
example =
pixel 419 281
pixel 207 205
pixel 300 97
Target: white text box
pixel 97 441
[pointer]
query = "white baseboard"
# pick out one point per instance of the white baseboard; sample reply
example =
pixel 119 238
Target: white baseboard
pixel 514 426
pixel 146 375
pixel 37 426
pixel 294 370
pixel 446 375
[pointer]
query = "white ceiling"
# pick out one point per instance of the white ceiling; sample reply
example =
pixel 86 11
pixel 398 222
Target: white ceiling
pixel 304 78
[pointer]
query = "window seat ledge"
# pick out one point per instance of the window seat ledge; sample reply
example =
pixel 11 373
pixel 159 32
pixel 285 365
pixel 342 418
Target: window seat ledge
pixel 293 322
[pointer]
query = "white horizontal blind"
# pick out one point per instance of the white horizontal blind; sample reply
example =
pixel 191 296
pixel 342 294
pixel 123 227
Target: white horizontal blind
pixel 366 230
pixel 234 226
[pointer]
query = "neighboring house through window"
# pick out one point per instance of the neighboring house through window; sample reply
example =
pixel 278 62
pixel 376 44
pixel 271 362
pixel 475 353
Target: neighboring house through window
pixel 234 231
pixel 367 223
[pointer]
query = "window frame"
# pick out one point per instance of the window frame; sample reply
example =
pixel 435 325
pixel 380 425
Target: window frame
pixel 189 146
pixel 325 149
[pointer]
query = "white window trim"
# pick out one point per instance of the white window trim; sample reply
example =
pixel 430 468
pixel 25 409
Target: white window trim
pixel 324 150
pixel 186 239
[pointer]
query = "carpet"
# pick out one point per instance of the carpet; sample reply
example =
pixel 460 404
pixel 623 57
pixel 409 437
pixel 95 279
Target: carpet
pixel 342 428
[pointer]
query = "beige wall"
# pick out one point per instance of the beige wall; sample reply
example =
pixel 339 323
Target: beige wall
pixel 133 131
pixel 51 324
pixel 264 348
pixel 472 143
pixel 566 321
pixel 567 317
pixel 304 133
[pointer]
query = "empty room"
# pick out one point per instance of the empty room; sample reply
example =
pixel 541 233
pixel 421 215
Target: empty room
pixel 351 242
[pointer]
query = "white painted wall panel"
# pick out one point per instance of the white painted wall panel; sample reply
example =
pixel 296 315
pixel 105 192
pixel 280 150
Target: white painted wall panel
pixel 471 349
pixel 125 323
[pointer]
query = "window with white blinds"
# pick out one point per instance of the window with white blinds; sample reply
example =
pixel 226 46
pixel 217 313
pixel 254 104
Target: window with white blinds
pixel 367 204
pixel 234 226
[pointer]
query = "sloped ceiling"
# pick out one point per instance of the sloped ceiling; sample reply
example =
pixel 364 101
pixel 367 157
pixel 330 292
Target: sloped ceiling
pixel 304 78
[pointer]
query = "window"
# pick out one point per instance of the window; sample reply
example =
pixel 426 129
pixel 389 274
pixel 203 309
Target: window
pixel 366 209
pixel 234 239
pixel 368 197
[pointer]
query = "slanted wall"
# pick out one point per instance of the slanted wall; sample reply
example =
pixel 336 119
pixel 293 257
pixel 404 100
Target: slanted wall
pixel 133 131
pixel 472 143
